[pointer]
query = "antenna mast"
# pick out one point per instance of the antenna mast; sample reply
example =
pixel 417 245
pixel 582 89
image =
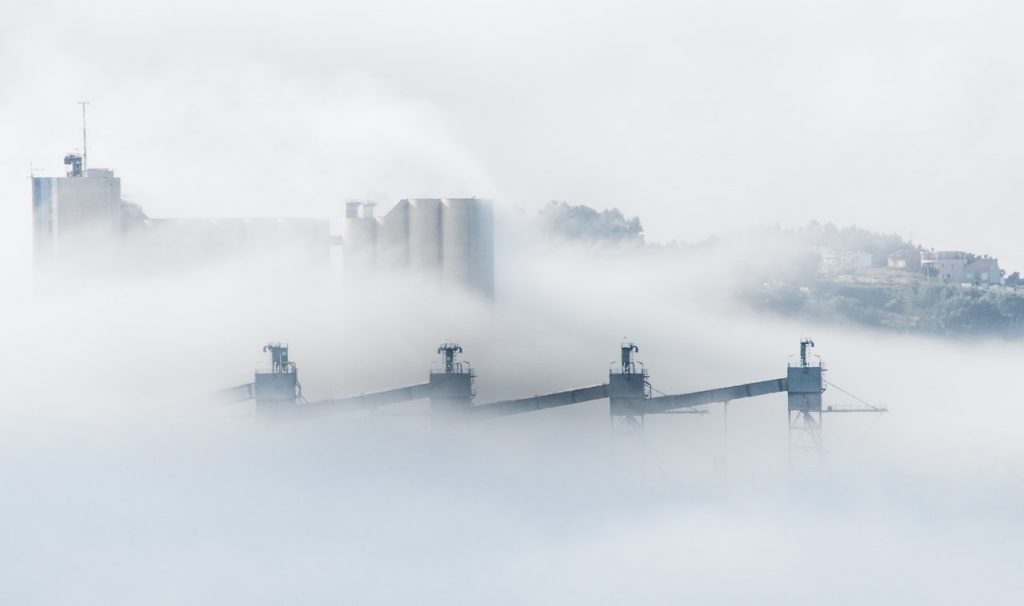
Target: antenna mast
pixel 85 149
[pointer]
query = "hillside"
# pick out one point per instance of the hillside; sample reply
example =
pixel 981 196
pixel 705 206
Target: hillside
pixel 843 275
pixel 922 299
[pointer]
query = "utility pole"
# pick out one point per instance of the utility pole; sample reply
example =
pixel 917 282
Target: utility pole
pixel 85 149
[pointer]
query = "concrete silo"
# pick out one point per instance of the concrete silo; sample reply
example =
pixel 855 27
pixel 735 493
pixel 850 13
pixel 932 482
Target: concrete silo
pixel 393 238
pixel 467 248
pixel 425 235
pixel 360 236
pixel 450 240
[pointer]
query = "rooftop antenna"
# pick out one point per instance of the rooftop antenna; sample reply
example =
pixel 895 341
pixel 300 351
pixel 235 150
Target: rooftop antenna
pixel 805 345
pixel 449 349
pixel 85 149
pixel 628 349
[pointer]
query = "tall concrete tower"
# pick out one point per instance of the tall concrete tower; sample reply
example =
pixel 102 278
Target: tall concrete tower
pixel 76 219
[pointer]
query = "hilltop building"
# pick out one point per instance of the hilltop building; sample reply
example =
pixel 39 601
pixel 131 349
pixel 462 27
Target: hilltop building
pixel 947 265
pixel 843 262
pixel 984 271
pixel 905 258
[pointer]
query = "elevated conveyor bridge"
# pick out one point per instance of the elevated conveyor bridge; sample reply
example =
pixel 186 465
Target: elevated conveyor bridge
pixel 450 390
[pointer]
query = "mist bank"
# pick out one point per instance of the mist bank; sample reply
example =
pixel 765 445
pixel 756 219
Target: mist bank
pixel 377 510
pixel 122 483
pixel 152 349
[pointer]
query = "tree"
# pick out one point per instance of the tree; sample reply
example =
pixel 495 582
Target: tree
pixel 585 223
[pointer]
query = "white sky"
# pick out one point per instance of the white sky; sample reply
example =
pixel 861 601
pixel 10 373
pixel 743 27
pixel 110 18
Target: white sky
pixel 699 117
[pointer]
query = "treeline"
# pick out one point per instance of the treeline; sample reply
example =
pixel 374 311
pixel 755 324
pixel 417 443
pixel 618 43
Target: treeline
pixel 918 307
pixel 847 239
pixel 583 223
pixel 932 307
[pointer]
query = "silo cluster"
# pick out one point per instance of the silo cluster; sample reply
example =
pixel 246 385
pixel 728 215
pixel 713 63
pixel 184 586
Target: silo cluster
pixel 450 239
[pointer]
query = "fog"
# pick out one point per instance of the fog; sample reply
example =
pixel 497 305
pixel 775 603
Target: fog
pixel 124 483
pixel 121 482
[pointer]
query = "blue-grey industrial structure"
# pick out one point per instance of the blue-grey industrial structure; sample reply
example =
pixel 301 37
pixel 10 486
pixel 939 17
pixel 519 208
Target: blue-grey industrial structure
pixel 450 390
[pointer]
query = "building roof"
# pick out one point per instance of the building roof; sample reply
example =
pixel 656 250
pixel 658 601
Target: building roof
pixel 983 264
pixel 947 255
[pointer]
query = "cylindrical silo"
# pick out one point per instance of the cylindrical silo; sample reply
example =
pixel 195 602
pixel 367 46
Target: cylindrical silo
pixel 456 229
pixel 468 244
pixel 481 267
pixel 359 241
pixel 393 238
pixel 425 235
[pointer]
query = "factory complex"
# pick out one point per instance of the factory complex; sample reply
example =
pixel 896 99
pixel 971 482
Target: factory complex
pixel 82 226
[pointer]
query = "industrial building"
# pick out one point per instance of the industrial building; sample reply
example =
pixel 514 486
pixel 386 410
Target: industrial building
pixel 77 219
pixel 450 239
pixel 83 227
pixel 631 397
pixel 170 243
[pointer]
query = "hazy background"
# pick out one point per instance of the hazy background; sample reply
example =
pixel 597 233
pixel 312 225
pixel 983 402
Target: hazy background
pixel 697 116
pixel 120 484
